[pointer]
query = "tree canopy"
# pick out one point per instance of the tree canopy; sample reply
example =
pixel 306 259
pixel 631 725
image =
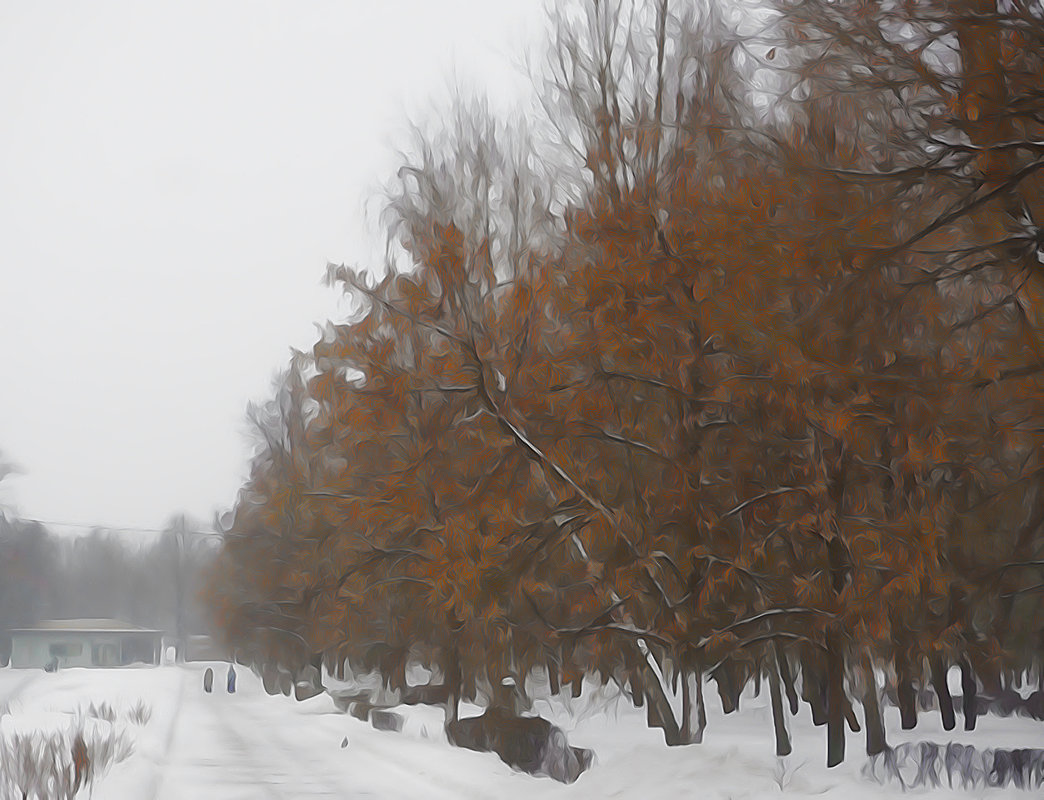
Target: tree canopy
pixel 731 367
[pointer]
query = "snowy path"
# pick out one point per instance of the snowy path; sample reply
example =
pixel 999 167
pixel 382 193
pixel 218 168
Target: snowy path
pixel 251 745
pixel 239 746
pixel 196 746
pixel 212 757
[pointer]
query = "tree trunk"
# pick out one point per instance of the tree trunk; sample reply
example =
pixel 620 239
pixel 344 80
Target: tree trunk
pixel 552 677
pixel 907 704
pixel 661 38
pixel 904 691
pixel 969 690
pixel 501 696
pixel 686 723
pixel 577 686
pixel 637 689
pixel 453 687
pixel 394 668
pixel 983 90
pixel 989 673
pixel 701 708
pixel 738 677
pixel 723 680
pixel 875 731
pixel 786 677
pixel 942 691
pixel 835 698
pixel 659 713
pixel 850 717
pixel 779 720
pixel 812 692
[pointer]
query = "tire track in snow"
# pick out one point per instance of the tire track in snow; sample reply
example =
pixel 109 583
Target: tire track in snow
pixel 247 746
pixel 256 769
pixel 229 760
pixel 160 768
pixel 397 778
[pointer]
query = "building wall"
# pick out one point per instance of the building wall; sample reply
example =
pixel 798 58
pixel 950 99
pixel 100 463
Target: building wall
pixel 80 649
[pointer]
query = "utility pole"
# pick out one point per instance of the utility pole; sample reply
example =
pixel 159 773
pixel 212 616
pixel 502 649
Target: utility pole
pixel 183 539
pixel 179 587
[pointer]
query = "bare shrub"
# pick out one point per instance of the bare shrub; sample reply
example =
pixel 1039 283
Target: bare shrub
pixel 926 764
pixel 140 714
pixel 102 711
pixel 59 764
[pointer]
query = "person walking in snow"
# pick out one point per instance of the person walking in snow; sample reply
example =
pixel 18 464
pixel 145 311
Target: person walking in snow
pixel 231 679
pixel 208 680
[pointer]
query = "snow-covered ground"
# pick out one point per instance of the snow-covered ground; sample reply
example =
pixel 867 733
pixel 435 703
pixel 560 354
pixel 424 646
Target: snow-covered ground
pixel 196 746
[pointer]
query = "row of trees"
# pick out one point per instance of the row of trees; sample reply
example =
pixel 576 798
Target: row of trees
pixel 156 584
pixel 733 369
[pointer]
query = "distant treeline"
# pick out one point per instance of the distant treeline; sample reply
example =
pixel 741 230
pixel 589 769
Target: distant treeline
pixel 46 576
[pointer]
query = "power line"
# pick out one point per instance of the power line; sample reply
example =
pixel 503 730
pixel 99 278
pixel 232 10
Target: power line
pixel 112 528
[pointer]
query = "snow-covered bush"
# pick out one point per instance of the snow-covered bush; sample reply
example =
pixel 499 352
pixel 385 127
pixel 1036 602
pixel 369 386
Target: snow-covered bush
pixel 56 756
pixel 920 764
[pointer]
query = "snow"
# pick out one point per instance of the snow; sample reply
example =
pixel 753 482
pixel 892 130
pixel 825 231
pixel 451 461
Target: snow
pixel 249 745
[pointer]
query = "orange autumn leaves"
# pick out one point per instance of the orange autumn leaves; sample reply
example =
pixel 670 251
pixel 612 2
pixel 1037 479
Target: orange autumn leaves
pixel 710 400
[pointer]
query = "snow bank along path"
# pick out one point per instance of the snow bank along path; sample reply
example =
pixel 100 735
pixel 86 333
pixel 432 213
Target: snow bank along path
pixel 250 745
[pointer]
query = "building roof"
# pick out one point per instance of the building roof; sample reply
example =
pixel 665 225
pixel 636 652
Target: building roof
pixel 83 626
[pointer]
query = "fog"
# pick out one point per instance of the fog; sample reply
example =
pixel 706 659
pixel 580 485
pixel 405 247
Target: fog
pixel 176 177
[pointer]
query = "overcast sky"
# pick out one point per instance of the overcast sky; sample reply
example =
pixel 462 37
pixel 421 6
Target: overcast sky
pixel 174 177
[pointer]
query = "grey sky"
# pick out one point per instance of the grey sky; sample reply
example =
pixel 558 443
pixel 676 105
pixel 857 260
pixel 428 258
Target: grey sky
pixel 173 179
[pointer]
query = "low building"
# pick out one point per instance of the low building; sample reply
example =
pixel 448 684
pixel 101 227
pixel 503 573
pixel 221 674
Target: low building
pixel 84 643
